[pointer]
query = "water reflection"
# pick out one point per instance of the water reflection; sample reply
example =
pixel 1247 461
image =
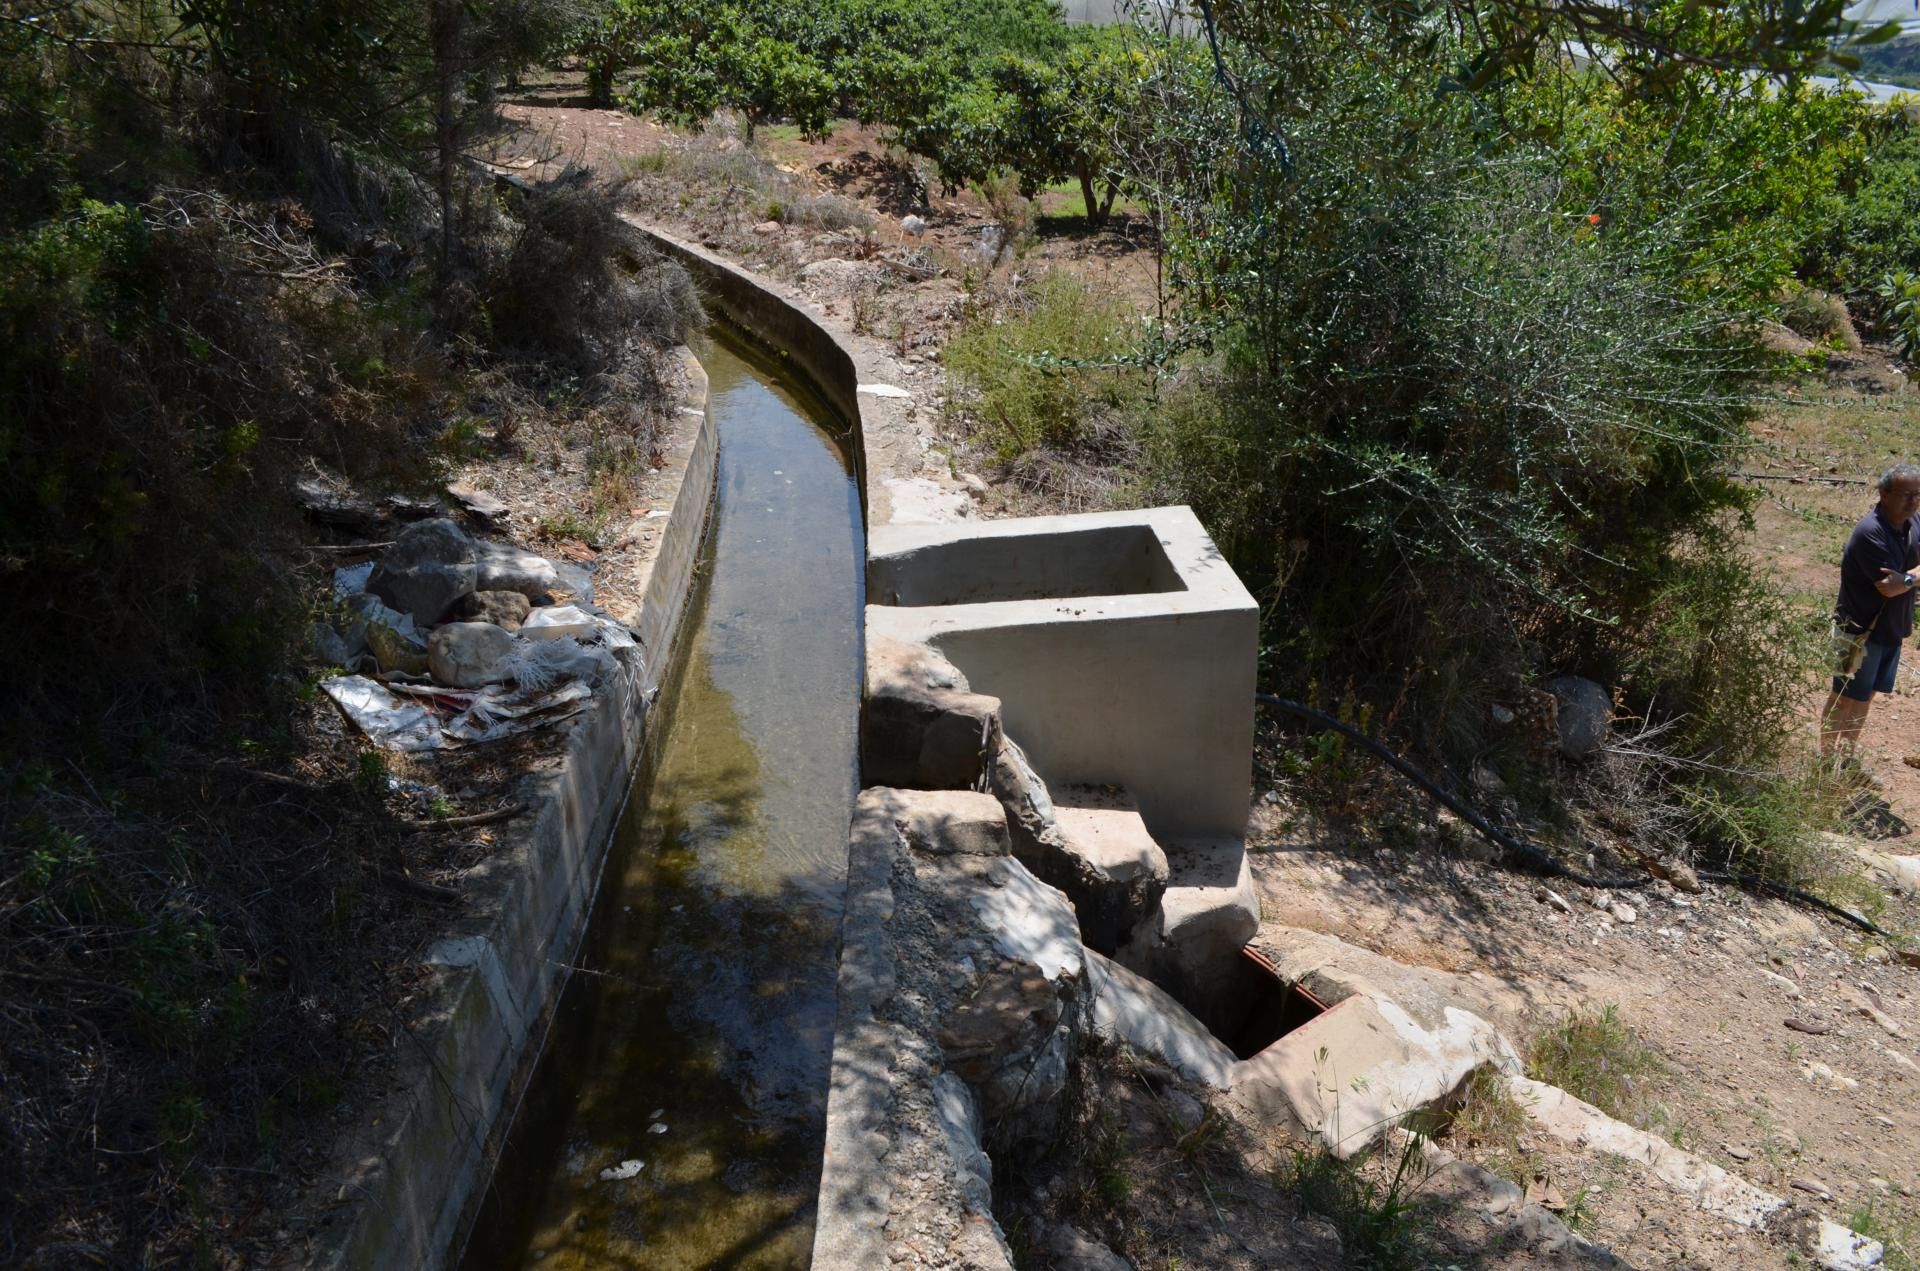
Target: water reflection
pixel 706 1057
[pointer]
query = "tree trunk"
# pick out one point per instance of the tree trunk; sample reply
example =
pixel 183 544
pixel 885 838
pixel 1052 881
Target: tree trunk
pixel 443 27
pixel 1094 215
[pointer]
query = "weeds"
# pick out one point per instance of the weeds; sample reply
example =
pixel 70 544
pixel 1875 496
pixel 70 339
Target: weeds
pixel 1380 1222
pixel 826 212
pixel 1598 1057
pixel 1899 1233
pixel 1490 1122
pixel 1046 369
pixel 1107 1160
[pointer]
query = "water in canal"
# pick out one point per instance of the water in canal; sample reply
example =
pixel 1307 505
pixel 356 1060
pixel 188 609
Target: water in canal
pixel 698 1045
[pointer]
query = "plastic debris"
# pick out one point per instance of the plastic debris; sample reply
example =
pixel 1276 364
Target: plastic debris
pixel 622 1172
pixel 493 716
pixel 351 580
pixel 552 621
pixel 384 718
pixel 538 664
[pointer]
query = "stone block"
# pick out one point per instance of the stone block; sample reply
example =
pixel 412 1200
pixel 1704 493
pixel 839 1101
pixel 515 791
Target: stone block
pixel 921 727
pixel 1100 854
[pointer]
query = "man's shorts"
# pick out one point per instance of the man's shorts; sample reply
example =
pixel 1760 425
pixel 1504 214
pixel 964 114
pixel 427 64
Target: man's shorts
pixel 1874 676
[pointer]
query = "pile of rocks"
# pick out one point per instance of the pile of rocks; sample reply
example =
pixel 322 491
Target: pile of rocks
pixel 441 607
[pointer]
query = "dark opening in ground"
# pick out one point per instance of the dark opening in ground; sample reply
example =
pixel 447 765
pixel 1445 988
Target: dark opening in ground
pixel 1259 1008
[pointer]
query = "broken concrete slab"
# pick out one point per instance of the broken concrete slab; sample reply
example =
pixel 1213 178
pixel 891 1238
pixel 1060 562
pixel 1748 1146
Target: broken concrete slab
pixel 1580 1123
pixel 1135 1012
pixel 1711 1188
pixel 1351 1074
pixel 921 727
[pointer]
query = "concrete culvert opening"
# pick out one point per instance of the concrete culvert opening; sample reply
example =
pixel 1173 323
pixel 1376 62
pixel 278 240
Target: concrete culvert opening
pixel 1258 1007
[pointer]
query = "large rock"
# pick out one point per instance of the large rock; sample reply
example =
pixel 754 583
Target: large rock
pixel 1585 714
pixel 393 651
pixel 469 654
pixel 1068 1250
pixel 1029 805
pixel 427 571
pixel 504 609
pixel 921 728
pixel 961 994
pixel 1099 853
pixel 504 567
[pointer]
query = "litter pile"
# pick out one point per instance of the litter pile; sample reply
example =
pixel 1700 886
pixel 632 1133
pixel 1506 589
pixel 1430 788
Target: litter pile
pixel 453 640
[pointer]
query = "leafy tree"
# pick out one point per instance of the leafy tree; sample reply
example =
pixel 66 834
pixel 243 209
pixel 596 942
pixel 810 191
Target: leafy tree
pixel 1454 377
pixel 1871 226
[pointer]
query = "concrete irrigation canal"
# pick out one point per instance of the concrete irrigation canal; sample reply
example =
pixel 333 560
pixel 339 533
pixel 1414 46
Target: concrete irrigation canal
pixel 678 1117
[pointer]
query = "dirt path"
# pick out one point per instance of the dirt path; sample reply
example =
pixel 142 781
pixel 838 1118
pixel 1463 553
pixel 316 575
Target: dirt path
pixel 1708 981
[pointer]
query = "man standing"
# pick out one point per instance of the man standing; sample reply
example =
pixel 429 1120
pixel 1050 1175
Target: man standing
pixel 1875 610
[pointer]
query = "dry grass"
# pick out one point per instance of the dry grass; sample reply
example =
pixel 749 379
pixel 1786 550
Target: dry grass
pixel 1597 1056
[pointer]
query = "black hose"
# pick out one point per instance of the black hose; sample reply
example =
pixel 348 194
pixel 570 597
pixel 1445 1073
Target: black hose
pixel 1784 892
pixel 1533 855
pixel 1499 838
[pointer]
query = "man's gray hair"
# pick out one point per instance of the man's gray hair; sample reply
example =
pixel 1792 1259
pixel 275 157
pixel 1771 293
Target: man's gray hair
pixel 1899 472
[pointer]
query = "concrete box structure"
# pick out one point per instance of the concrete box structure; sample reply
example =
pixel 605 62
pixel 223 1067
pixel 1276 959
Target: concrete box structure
pixel 1121 644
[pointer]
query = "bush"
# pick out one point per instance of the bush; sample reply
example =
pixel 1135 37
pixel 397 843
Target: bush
pixel 1818 315
pixel 1046 369
pixel 581 286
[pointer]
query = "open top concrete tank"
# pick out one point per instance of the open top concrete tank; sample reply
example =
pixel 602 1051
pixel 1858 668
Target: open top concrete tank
pixel 1122 645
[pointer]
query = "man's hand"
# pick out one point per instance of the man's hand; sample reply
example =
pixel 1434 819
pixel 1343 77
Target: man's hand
pixel 1893 583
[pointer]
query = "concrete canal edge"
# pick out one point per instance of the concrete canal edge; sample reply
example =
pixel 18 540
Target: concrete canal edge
pixel 410 1176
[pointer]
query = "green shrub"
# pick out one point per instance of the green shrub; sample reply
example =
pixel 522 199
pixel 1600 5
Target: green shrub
pixel 1042 372
pixel 1899 296
pixel 1872 226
